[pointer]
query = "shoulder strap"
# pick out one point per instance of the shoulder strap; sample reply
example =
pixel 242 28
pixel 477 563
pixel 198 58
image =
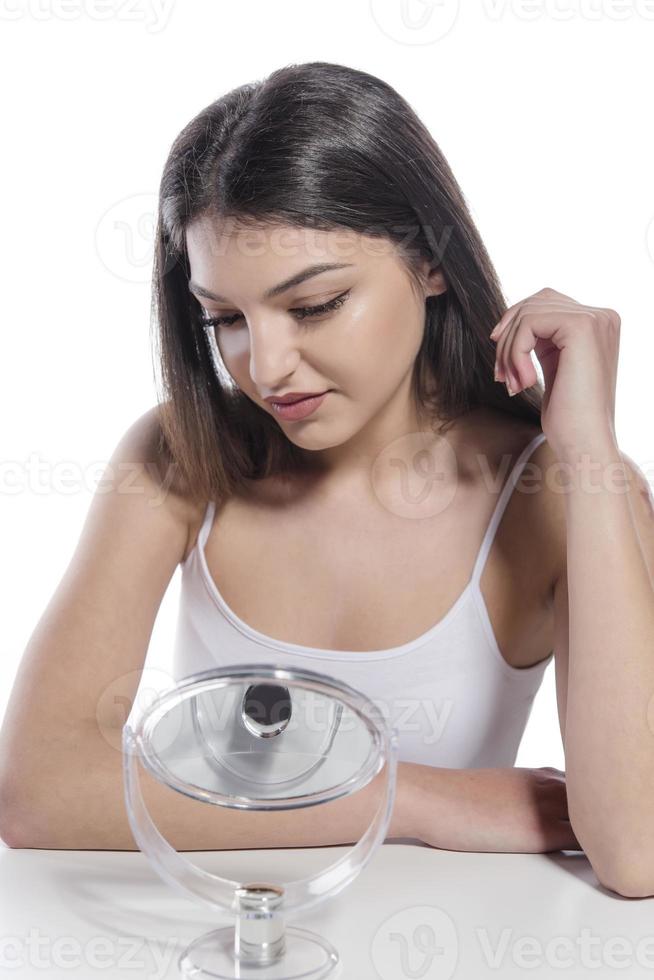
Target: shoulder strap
pixel 203 533
pixel 500 507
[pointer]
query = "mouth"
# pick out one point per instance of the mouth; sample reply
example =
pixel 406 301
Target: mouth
pixel 300 408
pixel 291 399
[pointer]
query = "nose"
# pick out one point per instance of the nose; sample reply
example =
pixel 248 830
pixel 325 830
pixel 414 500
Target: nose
pixel 274 354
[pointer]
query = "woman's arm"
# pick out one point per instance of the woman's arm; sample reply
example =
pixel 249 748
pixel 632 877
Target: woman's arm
pixel 85 656
pixel 78 803
pixel 609 744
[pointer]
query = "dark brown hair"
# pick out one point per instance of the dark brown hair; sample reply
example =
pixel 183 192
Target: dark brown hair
pixel 315 145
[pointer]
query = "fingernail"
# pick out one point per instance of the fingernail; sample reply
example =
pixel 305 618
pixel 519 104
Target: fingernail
pixel 510 390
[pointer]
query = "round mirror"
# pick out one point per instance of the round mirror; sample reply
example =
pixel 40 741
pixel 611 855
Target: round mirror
pixel 230 742
pixel 259 738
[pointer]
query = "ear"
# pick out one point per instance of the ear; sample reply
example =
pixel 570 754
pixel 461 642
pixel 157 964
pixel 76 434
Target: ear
pixel 434 281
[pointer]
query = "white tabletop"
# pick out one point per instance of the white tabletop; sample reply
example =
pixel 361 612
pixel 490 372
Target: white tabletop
pixel 414 911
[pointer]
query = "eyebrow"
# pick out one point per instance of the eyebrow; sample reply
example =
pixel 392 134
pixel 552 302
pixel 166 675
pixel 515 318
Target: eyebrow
pixel 299 277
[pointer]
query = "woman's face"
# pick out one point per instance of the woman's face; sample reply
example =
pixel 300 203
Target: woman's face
pixel 361 346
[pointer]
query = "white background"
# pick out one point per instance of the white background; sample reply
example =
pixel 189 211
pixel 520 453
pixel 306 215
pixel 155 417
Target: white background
pixel 542 109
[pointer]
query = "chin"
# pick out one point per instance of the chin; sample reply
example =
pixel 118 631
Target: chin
pixel 314 443
pixel 311 444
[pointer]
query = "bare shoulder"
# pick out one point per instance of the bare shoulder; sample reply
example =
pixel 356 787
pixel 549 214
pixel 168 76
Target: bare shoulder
pixel 92 638
pixel 147 447
pixel 497 437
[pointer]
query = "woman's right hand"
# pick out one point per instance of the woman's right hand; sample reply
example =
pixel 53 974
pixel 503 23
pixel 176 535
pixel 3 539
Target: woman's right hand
pixel 505 810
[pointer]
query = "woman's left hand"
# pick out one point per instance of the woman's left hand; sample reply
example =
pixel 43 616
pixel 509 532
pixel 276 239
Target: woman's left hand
pixel 577 348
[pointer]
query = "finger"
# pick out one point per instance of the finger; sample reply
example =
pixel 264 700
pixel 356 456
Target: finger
pixel 532 301
pixel 502 369
pixel 514 355
pixel 507 323
pixel 503 334
pixel 505 318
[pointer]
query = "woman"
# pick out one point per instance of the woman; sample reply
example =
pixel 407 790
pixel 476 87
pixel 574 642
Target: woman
pixel 313 247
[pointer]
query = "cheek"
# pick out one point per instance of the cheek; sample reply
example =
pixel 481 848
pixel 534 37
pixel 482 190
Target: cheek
pixel 234 349
pixel 385 337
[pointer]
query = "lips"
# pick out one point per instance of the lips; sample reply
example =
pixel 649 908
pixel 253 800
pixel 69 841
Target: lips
pixel 299 409
pixel 294 397
pixel 294 401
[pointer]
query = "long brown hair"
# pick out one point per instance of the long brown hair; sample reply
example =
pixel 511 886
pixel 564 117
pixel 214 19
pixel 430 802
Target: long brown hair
pixel 315 145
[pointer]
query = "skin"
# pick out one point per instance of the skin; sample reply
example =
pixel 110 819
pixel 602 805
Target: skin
pixel 365 350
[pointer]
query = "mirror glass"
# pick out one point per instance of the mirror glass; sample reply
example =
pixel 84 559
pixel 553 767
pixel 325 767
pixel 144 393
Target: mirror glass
pixel 264 741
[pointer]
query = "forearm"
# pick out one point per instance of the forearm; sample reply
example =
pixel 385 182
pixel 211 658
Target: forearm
pixel 78 803
pixel 609 748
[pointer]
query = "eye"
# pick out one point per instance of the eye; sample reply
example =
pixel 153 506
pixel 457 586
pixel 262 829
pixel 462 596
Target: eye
pixel 302 312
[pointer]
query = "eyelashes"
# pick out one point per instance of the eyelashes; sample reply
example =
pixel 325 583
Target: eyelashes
pixel 302 312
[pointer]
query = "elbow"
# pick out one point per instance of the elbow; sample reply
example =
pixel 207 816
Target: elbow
pixel 17 823
pixel 629 886
pixel 10 824
pixel 622 868
pixel 627 875
pixel 8 836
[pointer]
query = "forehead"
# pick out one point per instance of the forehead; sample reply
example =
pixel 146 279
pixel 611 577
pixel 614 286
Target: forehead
pixel 230 245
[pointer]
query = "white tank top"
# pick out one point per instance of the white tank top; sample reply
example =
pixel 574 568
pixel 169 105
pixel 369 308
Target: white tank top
pixel 451 695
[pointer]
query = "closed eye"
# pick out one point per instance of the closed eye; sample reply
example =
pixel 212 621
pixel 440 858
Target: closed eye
pixel 302 312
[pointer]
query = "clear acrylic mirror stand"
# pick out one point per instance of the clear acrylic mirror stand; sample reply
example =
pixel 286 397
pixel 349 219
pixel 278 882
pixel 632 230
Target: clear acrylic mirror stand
pixel 259 945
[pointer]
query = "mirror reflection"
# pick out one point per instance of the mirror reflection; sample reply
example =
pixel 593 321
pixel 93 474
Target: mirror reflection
pixel 265 740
